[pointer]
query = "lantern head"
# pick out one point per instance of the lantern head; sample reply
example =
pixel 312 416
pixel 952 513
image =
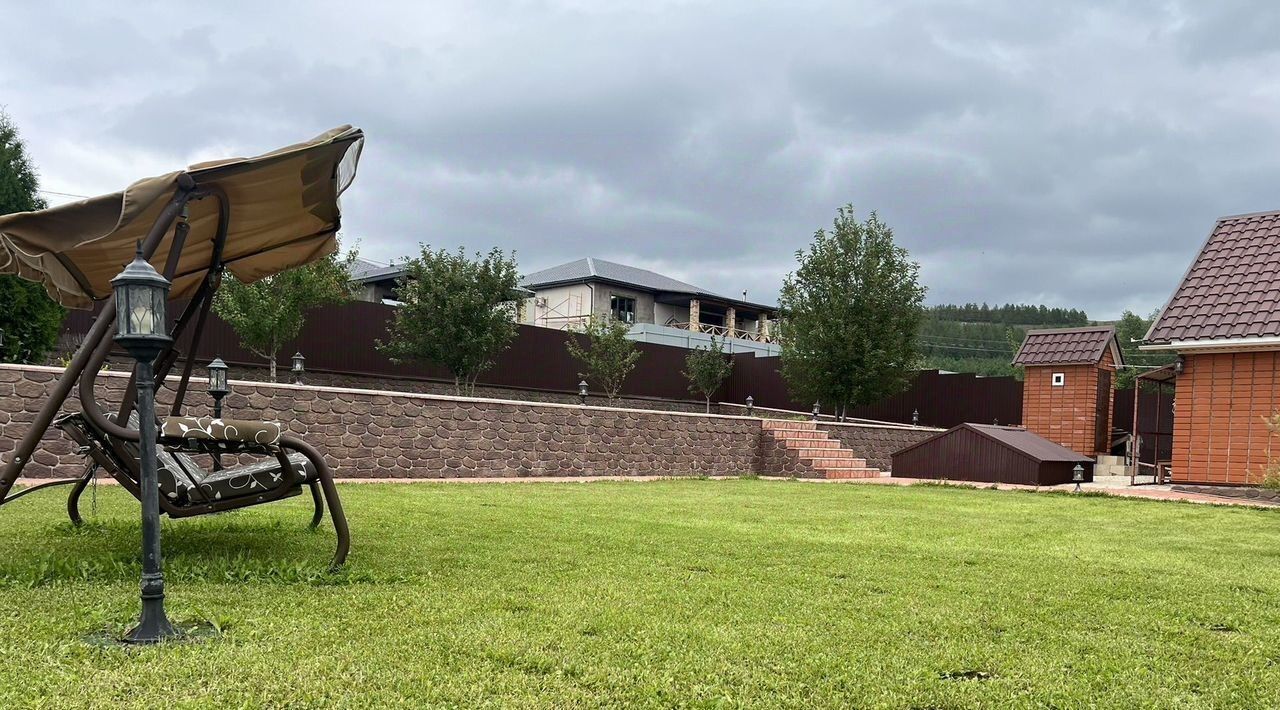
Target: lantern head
pixel 141 295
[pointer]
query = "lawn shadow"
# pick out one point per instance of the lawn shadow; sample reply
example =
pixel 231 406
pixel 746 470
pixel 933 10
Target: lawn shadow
pixel 225 548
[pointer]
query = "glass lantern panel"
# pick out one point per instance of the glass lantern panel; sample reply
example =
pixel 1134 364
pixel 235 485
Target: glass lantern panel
pixel 159 299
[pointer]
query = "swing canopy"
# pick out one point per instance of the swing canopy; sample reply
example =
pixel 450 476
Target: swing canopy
pixel 283 213
pixel 254 217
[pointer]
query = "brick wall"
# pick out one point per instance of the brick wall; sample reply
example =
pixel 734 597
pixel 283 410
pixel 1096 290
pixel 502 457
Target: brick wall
pixel 876 444
pixel 1219 405
pixel 1067 414
pixel 367 433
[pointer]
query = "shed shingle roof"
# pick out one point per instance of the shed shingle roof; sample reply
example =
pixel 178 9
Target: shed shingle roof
pixel 1028 443
pixel 1232 289
pixel 1065 346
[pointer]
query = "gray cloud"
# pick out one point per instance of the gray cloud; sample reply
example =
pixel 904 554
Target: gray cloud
pixel 1074 154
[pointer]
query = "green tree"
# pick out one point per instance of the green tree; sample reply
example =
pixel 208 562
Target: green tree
pixel 609 355
pixel 458 312
pixel 1133 327
pixel 270 312
pixel 29 319
pixel 706 369
pixel 851 315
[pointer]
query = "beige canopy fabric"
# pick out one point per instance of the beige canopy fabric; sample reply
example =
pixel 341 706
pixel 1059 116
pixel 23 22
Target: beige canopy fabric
pixel 283 213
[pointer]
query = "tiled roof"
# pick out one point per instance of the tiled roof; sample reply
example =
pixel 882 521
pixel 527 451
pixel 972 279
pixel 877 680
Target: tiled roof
pixel 592 268
pixel 1232 289
pixel 365 271
pixel 1065 346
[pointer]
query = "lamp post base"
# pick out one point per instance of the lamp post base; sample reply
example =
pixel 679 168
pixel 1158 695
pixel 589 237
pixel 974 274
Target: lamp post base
pixel 153 626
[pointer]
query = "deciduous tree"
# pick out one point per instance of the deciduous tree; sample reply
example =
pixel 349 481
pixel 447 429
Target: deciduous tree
pixel 608 356
pixel 459 312
pixel 851 315
pixel 270 312
pixel 706 369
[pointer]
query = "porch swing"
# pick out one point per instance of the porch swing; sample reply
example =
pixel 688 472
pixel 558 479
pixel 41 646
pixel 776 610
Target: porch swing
pixel 253 216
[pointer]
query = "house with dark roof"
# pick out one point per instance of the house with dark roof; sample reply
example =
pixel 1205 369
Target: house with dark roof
pixel 1223 320
pixel 379 283
pixel 660 308
pixel 374 282
pixel 1066 391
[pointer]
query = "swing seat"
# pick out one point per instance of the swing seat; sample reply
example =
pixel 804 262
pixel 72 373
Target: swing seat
pixel 187 488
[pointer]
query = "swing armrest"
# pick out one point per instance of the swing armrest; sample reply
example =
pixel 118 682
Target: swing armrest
pixel 224 430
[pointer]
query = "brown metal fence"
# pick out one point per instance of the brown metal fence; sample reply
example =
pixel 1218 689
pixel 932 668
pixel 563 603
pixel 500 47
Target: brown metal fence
pixel 342 339
pixel 1155 420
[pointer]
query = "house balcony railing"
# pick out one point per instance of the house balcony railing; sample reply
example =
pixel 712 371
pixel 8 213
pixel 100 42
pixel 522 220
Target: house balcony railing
pixel 726 332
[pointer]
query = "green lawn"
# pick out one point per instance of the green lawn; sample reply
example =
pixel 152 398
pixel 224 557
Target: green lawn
pixel 698 593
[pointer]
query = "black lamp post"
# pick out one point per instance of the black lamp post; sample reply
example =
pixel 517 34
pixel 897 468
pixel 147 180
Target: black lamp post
pixel 1077 475
pixel 141 295
pixel 218 385
pixel 817 409
pixel 582 392
pixel 751 404
pixel 218 389
pixel 298 368
pixel 915 417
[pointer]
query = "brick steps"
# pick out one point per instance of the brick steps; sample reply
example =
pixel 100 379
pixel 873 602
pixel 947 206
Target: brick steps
pixel 814 448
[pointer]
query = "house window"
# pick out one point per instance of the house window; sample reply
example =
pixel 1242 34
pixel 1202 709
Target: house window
pixel 1059 379
pixel 623 308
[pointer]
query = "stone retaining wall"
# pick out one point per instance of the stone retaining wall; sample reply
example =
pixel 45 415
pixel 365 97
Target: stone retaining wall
pixel 379 434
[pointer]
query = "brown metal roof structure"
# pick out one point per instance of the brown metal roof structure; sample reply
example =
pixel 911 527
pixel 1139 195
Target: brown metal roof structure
pixel 1067 346
pixel 1232 289
pixel 1027 443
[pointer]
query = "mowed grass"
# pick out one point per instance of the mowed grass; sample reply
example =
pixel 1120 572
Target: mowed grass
pixel 675 593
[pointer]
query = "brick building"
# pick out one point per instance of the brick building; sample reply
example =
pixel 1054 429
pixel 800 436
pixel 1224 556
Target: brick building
pixel 1066 394
pixel 1224 322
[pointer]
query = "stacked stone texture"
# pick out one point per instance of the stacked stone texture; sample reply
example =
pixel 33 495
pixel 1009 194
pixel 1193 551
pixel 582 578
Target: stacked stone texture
pixel 368 434
pixel 376 435
pixel 876 444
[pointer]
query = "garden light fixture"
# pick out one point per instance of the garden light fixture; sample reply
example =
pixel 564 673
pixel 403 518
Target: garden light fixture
pixel 915 417
pixel 1077 475
pixel 817 409
pixel 218 385
pixel 751 404
pixel 140 298
pixel 582 392
pixel 299 368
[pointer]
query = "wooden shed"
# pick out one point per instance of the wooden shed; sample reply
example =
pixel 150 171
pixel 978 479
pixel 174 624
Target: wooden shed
pixel 990 453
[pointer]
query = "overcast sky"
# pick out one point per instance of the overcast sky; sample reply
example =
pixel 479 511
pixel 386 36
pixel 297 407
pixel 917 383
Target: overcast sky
pixel 1023 152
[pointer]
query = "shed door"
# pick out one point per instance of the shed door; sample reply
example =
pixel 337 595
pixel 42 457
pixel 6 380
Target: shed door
pixel 1102 427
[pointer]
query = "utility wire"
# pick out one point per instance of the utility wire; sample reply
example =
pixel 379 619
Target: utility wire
pixel 62 194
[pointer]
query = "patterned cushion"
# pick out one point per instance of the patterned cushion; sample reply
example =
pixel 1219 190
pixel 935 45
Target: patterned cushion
pixel 183 479
pixel 208 428
pixel 258 477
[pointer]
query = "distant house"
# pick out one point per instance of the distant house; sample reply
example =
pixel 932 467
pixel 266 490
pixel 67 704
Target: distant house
pixel 661 309
pixel 1224 322
pixel 375 283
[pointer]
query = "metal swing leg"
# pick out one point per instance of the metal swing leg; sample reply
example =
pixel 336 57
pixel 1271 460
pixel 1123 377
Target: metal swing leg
pixel 73 498
pixel 318 499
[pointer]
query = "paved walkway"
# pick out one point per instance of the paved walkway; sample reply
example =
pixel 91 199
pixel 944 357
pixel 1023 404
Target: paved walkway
pixel 1114 488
